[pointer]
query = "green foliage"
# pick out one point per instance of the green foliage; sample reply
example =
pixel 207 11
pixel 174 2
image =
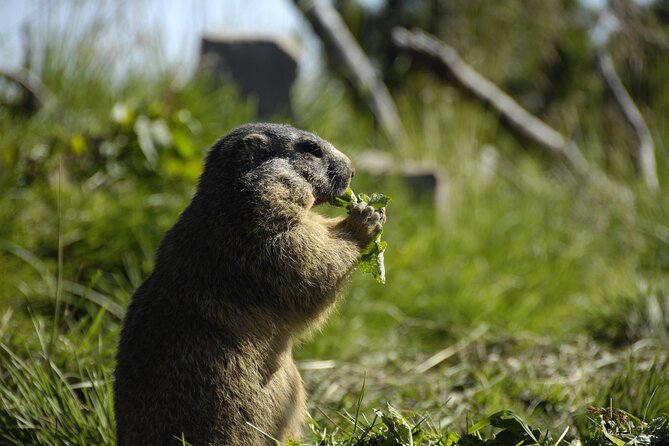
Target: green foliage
pixel 520 292
pixel 612 426
pixel 372 259
pixel 42 403
pixel 641 392
pixel 631 318
pixel 609 426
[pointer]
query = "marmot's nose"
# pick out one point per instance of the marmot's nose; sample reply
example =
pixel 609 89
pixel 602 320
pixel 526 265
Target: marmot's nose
pixel 352 172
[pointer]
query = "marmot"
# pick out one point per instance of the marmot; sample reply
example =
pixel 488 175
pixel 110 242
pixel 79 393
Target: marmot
pixel 206 346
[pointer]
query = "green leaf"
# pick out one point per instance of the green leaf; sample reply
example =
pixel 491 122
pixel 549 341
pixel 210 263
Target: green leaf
pixel 508 420
pixel 372 259
pixel 399 428
pixel 341 203
pixel 183 144
pixel 611 437
pixel 484 422
pixel 450 439
pixel 514 429
pixel 348 200
pixel 78 144
pixel 377 201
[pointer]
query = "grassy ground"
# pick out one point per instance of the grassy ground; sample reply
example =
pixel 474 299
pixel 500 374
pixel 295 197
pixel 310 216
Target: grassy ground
pixel 529 292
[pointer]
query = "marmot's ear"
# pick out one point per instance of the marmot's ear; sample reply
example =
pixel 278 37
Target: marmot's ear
pixel 255 141
pixel 252 145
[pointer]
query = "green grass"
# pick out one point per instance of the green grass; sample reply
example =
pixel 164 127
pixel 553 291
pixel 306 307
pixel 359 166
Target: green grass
pixel 528 298
pixel 42 402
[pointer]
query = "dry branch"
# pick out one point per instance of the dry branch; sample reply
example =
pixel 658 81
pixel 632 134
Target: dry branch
pixel 633 116
pixel 37 92
pixel 521 122
pixel 337 38
pixel 449 351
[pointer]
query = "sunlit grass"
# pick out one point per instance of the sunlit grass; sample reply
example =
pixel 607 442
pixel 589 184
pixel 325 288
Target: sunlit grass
pixel 527 291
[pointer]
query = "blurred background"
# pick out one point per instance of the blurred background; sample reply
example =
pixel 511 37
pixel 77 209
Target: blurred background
pixel 524 145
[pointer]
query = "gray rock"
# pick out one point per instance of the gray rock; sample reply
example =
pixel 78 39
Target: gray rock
pixel 264 67
pixel 419 179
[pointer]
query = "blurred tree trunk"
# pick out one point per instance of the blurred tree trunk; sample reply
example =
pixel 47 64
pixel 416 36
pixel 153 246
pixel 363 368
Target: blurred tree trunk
pixel 343 47
pixel 34 94
pixel 633 116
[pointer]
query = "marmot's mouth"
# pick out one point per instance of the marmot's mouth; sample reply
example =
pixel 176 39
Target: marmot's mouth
pixel 339 186
pixel 336 187
pixel 339 180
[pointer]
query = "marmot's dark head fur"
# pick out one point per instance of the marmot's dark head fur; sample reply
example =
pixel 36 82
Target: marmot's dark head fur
pixel 206 345
pixel 254 150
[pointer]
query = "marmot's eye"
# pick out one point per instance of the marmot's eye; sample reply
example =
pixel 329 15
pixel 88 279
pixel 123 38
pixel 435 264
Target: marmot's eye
pixel 309 147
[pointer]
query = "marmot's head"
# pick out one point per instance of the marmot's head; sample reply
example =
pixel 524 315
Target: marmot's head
pixel 253 147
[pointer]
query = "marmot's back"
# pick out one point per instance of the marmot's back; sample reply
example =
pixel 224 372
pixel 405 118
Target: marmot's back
pixel 206 347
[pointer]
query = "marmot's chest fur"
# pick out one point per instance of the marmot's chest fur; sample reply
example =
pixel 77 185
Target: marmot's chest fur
pixel 206 347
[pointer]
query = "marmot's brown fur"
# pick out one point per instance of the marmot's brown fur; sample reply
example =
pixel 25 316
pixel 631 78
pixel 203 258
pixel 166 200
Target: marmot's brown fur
pixel 206 346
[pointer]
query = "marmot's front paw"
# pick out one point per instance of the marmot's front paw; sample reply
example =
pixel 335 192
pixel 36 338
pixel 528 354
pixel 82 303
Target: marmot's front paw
pixel 365 223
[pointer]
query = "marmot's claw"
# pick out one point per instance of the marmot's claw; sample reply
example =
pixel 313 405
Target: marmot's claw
pixel 382 216
pixel 379 216
pixel 363 210
pixel 366 221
